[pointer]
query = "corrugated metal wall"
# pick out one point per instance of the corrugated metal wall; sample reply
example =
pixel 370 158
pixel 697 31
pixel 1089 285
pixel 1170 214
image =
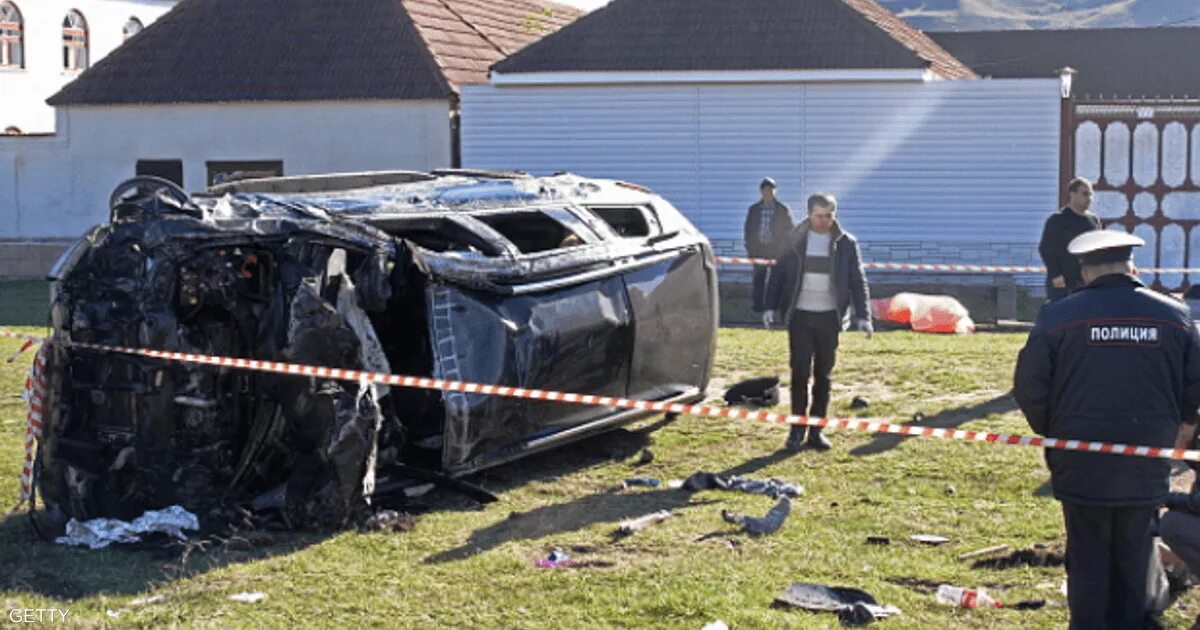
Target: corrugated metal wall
pixel 951 161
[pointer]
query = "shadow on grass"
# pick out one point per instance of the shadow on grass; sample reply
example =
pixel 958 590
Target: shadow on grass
pixel 605 507
pixel 948 419
pixel 30 565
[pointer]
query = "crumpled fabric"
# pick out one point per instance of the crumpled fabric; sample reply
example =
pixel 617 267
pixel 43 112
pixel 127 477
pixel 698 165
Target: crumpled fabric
pixel 99 533
pixel 853 607
pixel 768 524
pixel 773 488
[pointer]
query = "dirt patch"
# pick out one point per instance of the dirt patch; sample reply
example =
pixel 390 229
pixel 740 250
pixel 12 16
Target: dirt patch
pixel 1035 556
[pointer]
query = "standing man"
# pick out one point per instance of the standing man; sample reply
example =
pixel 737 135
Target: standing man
pixel 1062 269
pixel 817 280
pixel 768 226
pixel 1111 362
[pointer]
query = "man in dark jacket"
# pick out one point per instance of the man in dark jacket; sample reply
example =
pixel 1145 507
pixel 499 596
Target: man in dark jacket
pixel 815 283
pixel 1111 362
pixel 1062 269
pixel 768 226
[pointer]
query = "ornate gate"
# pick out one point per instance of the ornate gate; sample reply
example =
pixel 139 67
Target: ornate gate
pixel 1144 157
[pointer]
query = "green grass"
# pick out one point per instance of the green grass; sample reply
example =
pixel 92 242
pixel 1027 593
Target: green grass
pixel 466 566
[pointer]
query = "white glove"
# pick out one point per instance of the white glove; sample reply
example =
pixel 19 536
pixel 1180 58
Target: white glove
pixel 865 326
pixel 768 319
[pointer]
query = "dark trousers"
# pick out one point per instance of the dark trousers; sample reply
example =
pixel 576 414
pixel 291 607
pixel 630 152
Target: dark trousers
pixel 758 291
pixel 813 343
pixel 1181 532
pixel 1114 576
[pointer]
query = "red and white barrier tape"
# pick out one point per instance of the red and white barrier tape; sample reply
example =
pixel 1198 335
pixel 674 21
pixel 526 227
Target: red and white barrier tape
pixel 729 260
pixel 35 391
pixel 870 425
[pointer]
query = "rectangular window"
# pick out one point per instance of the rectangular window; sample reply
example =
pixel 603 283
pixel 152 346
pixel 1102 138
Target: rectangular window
pixel 170 170
pixel 627 221
pixel 231 171
pixel 532 231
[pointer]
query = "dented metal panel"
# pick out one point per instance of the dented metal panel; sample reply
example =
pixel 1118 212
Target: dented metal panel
pixel 503 280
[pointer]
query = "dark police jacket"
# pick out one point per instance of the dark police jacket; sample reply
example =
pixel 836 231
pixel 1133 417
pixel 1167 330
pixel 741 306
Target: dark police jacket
pixel 846 273
pixel 780 229
pixel 1111 362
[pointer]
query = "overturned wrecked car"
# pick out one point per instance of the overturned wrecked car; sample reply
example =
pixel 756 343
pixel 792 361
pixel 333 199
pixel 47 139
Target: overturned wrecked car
pixel 559 283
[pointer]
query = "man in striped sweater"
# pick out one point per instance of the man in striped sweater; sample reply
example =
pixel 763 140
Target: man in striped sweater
pixel 816 283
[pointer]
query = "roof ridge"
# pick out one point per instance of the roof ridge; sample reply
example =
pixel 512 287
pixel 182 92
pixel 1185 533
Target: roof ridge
pixel 889 20
pixel 426 49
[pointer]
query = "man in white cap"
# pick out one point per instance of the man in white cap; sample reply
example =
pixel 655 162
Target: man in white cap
pixel 1111 362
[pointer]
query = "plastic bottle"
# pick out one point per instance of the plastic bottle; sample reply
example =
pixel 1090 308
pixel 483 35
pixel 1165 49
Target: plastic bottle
pixel 965 597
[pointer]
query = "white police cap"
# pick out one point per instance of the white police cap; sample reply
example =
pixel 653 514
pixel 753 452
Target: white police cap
pixel 1104 246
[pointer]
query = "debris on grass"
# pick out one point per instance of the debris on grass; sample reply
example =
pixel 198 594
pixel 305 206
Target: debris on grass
pixel 754 393
pixel 1035 556
pixel 641 482
pixel 878 540
pixel 716 625
pixel 150 599
pixel 556 558
pixel 252 597
pixel 388 521
pixel 859 403
pixel 853 606
pixel 965 597
pixel 646 457
pixel 632 526
pixel 98 533
pixel 929 539
pixel 768 524
pixel 774 488
pixel 1029 604
pixel 986 551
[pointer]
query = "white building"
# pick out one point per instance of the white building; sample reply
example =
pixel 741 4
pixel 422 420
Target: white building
pixel 45 44
pixel 218 89
pixel 700 99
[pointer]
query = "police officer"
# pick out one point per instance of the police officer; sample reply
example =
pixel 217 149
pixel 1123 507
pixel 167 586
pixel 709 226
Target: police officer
pixel 1110 362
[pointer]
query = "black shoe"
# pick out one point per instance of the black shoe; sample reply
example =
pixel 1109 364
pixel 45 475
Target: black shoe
pixel 795 439
pixel 817 441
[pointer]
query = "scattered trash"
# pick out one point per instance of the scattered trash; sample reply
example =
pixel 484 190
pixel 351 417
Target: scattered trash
pixel 112 614
pixel 675 484
pixel 986 551
pixel 248 598
pixel 557 558
pixel 756 392
pixel 950 489
pixel 646 457
pixel 768 524
pixel 878 540
pixel 853 606
pixel 716 625
pixel 1063 589
pixel 1029 604
pixel 773 488
pixel 388 521
pixel 98 533
pixel 151 599
pixel 634 525
pixel 929 539
pixel 965 597
pixel 1035 556
pixel 645 482
pixel 859 403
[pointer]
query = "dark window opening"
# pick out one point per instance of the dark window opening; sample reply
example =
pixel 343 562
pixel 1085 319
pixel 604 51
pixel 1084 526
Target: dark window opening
pixel 231 171
pixel 439 235
pixel 624 221
pixel 532 232
pixel 170 170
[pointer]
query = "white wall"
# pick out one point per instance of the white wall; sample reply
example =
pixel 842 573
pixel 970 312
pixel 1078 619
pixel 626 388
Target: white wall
pixel 58 187
pixel 952 161
pixel 23 92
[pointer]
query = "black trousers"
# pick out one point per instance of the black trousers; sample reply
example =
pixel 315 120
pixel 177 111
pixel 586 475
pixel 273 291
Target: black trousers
pixel 758 291
pixel 813 344
pixel 1181 532
pixel 1114 576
